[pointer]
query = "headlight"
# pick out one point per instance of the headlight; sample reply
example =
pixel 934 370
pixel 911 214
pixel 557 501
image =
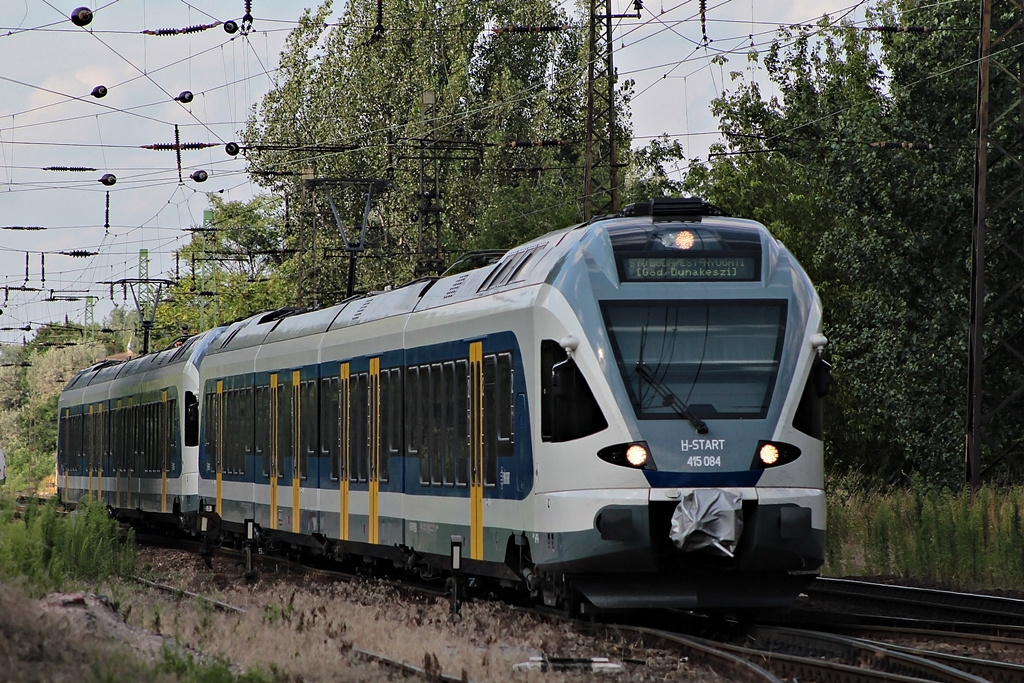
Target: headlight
pixel 773 454
pixel 636 455
pixel 768 454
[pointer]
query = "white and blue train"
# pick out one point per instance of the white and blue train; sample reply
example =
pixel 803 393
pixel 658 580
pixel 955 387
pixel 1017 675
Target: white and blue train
pixel 625 412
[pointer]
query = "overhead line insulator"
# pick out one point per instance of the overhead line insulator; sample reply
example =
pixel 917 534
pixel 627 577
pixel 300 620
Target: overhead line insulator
pixel 532 29
pixel 893 144
pixel 68 168
pixel 897 29
pixel 180 31
pixel 178 146
pixel 534 143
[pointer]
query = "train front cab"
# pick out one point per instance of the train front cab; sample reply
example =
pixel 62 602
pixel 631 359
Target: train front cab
pixel 712 385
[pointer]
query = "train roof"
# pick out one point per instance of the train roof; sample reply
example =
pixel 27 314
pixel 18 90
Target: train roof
pixel 639 227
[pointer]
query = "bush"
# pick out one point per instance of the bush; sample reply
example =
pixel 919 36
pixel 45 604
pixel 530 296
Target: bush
pixel 44 548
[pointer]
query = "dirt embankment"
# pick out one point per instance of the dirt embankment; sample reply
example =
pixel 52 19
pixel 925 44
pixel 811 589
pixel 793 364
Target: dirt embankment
pixel 293 629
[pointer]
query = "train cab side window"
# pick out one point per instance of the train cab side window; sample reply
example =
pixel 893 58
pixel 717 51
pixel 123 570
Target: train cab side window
pixel 191 419
pixel 568 407
pixel 808 418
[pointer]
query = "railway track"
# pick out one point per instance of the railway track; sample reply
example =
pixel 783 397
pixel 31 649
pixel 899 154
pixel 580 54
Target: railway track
pixel 851 651
pixel 920 603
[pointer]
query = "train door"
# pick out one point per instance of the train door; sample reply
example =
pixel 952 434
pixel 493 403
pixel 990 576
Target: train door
pixel 344 449
pixel 297 451
pixel 164 434
pixel 374 474
pixel 476 451
pixel 91 446
pixel 218 446
pixel 273 468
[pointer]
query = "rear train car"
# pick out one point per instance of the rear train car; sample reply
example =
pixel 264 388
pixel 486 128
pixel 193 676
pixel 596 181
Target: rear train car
pixel 128 433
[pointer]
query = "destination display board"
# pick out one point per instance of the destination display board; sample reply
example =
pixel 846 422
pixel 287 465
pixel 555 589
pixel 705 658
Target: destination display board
pixel 689 268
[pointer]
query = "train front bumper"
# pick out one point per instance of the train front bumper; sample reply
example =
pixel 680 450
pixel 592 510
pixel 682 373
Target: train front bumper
pixel 629 559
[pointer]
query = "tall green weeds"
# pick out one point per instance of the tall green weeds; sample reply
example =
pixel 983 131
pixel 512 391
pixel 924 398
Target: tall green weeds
pixel 928 535
pixel 44 549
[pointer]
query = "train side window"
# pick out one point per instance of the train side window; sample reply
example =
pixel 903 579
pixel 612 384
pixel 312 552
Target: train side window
pixel 414 417
pixel 447 422
pixel 568 407
pixel 234 434
pixel 210 420
pixel 329 423
pixel 359 430
pixel 261 426
pixel 460 392
pixel 503 387
pixel 227 418
pixel 284 422
pixel 307 424
pixel 436 405
pixel 390 419
pixel 247 429
pixel 150 435
pixel 191 419
pixel 171 433
pixel 497 413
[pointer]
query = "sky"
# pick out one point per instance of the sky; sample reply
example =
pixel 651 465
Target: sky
pixel 92 232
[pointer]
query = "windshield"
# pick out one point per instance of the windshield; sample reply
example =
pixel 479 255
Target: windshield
pixel 702 359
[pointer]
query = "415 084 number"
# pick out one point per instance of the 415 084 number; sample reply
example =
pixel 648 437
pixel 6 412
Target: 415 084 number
pixel 704 461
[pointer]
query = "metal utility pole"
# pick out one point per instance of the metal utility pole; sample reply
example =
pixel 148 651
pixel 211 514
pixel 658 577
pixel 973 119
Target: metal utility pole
pixel 357 245
pixel 995 411
pixel 429 207
pixel 430 153
pixel 601 173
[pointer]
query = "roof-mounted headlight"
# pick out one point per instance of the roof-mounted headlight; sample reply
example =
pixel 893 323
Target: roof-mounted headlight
pixel 635 454
pixel 678 239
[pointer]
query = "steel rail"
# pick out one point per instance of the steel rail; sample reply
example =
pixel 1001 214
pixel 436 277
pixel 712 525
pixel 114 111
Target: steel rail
pixel 994 609
pixel 778 645
pixel 988 669
pixel 994 643
pixel 702 651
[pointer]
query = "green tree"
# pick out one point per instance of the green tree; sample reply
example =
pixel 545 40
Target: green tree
pixel 435 81
pixel 234 266
pixel 31 380
pixel 862 165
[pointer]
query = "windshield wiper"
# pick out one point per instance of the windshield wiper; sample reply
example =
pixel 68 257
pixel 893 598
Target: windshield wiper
pixel 670 400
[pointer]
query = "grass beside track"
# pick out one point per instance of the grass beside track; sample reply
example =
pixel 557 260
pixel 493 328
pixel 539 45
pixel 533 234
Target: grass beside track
pixel 932 536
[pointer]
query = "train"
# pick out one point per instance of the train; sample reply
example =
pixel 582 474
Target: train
pixel 622 414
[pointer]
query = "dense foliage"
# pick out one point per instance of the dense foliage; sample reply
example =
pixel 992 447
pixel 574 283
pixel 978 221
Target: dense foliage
pixel 45 549
pixel 439 93
pixel 863 166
